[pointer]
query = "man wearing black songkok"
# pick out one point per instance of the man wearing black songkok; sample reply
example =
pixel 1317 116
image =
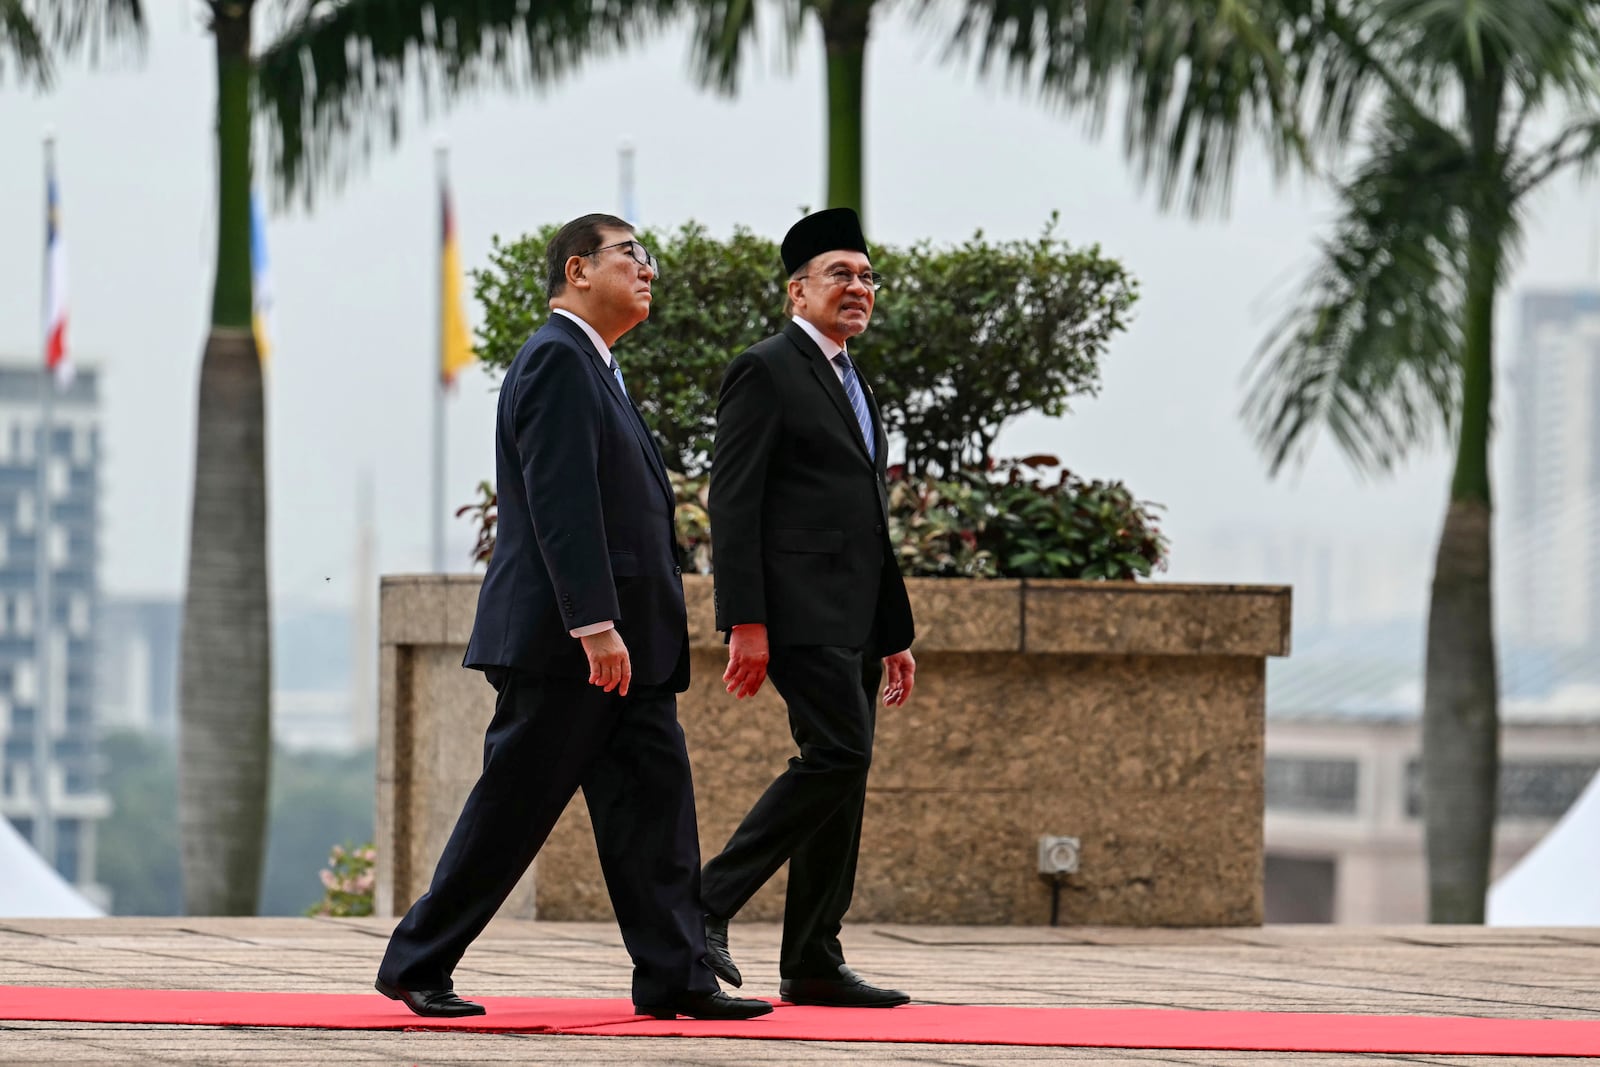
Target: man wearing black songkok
pixel 809 592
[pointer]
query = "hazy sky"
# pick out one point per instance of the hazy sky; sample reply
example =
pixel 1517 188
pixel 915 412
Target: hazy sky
pixel 349 390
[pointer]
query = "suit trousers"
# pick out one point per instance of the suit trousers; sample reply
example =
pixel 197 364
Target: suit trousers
pixel 810 816
pixel 550 737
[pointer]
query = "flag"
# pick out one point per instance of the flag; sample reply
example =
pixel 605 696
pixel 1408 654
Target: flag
pixel 56 360
pixel 260 280
pixel 455 344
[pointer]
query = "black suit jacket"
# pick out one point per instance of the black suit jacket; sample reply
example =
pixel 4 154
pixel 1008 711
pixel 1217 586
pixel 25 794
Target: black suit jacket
pixel 585 530
pixel 799 512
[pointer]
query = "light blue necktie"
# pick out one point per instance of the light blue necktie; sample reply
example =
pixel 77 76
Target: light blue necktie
pixel 617 370
pixel 858 403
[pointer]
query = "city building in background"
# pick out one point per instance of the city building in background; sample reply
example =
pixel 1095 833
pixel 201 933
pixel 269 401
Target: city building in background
pixel 1550 554
pixel 49 786
pixel 325 659
pixel 136 668
pixel 1344 826
pixel 317 702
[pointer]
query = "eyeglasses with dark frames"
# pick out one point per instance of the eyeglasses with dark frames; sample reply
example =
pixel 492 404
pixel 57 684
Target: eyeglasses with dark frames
pixel 842 278
pixel 636 252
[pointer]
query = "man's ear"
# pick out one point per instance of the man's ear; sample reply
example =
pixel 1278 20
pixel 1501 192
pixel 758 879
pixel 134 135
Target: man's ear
pixel 576 272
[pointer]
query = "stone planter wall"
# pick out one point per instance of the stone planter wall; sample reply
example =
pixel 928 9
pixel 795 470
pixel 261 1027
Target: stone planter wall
pixel 1129 715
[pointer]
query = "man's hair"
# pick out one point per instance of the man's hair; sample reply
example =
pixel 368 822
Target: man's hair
pixel 576 238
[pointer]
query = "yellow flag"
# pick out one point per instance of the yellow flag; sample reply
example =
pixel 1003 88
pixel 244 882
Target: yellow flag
pixel 260 279
pixel 455 342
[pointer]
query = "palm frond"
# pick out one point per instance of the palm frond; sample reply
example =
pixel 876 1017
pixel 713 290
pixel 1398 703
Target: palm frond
pixel 723 30
pixel 337 77
pixel 1372 352
pixel 1538 44
pixel 1201 75
pixel 1341 55
pixel 93 25
pixel 35 32
pixel 22 45
pixel 1576 145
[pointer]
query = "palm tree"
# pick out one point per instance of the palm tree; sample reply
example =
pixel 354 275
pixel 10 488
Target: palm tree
pixel 1199 75
pixel 224 735
pixel 33 33
pixel 1392 345
pixel 224 725
pixel 225 674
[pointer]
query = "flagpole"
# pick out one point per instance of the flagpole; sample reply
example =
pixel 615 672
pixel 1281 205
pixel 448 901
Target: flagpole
pixel 44 829
pixel 625 194
pixel 440 156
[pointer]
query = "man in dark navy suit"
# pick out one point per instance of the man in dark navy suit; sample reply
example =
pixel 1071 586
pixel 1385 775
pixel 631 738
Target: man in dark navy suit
pixel 581 630
pixel 808 590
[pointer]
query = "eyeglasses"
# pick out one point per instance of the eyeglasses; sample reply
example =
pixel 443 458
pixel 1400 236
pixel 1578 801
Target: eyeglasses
pixel 842 278
pixel 636 252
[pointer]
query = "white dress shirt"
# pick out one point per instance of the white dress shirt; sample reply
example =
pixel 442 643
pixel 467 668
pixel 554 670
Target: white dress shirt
pixel 599 345
pixel 829 346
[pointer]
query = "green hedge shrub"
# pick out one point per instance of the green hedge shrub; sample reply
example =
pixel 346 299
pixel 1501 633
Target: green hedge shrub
pixel 962 341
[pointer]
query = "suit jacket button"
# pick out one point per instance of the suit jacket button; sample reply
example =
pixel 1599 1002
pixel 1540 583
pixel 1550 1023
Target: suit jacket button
pixel 878 528
pixel 677 570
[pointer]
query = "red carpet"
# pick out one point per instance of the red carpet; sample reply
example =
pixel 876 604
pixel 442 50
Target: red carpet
pixel 964 1024
pixel 325 1011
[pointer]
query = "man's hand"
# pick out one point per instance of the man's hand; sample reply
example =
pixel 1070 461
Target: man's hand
pixel 902 673
pixel 609 666
pixel 747 659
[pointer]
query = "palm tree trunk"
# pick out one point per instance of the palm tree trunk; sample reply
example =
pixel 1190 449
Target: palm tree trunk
pixel 1460 720
pixel 224 709
pixel 845 25
pixel 1460 714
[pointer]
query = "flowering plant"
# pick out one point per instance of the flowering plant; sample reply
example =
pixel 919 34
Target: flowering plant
pixel 347 882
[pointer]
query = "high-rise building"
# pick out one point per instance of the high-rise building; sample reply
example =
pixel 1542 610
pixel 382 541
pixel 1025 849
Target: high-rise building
pixel 49 499
pixel 136 668
pixel 1550 557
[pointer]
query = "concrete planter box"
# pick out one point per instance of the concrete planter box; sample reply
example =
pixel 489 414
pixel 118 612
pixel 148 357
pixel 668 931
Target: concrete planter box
pixel 1129 715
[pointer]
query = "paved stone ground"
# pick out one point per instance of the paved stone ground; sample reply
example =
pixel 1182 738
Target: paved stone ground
pixel 1469 971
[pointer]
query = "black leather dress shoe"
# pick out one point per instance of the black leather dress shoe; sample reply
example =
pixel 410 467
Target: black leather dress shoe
pixel 717 957
pixel 845 991
pixel 434 1003
pixel 716 1005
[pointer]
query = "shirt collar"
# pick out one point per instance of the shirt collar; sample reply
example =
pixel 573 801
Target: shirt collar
pixel 829 346
pixel 599 345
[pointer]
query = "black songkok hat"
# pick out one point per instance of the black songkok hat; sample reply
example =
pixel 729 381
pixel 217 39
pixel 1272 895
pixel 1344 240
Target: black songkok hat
pixel 823 231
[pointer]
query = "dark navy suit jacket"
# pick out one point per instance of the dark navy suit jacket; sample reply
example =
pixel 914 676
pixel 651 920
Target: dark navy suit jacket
pixel 585 525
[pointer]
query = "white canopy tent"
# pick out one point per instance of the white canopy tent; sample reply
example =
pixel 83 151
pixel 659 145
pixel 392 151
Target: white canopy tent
pixel 1558 882
pixel 30 888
